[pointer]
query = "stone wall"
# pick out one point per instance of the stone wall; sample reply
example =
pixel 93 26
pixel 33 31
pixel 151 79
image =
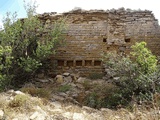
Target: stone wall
pixel 92 33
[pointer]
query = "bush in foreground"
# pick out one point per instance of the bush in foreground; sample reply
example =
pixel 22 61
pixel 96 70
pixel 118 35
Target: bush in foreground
pixel 137 79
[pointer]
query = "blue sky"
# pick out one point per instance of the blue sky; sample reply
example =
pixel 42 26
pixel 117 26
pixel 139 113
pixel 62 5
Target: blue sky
pixel 12 6
pixel 66 5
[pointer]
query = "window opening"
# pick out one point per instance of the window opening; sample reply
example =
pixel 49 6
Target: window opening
pixel 97 63
pixel 104 39
pixel 69 63
pixel 60 63
pixel 127 40
pixel 88 62
pixel 79 63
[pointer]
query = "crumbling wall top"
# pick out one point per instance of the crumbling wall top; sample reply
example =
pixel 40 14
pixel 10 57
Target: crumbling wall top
pixel 111 11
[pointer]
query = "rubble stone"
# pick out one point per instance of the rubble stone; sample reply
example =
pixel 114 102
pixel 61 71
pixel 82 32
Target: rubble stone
pixel 66 74
pixel 59 79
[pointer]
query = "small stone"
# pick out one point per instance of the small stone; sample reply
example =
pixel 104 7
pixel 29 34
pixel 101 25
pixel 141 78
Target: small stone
pixel 75 95
pixel 69 108
pixel 58 98
pixel 81 80
pixel 73 85
pixel 10 91
pixel 80 86
pixel 122 48
pixel 40 117
pixel 15 119
pixel 66 74
pixel 88 109
pixel 116 78
pixel 56 104
pixel 68 79
pixel 62 94
pixel 34 115
pixel 1 114
pixel 87 92
pixel 132 117
pixel 41 75
pixel 68 115
pixel 104 109
pixel 117 117
pixel 40 110
pixel 19 93
pixel 74 77
pixel 57 110
pixel 78 116
pixel 50 79
pixel 11 98
pixel 43 81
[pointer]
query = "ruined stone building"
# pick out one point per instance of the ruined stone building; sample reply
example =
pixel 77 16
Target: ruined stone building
pixel 92 33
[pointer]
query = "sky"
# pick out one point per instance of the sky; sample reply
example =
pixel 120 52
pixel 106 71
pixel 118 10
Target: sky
pixel 67 5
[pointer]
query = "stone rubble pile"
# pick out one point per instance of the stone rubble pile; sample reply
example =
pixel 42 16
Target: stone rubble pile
pixel 60 111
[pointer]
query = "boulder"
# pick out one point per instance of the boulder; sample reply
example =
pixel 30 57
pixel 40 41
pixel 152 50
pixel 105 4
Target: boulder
pixel 78 116
pixel 19 93
pixel 34 115
pixel 68 79
pixel 74 77
pixel 59 79
pixel 66 74
pixel 56 104
pixel 81 80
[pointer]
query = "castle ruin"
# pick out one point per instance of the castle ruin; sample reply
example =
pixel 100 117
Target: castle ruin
pixel 92 33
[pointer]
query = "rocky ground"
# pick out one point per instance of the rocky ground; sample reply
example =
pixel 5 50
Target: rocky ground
pixel 62 99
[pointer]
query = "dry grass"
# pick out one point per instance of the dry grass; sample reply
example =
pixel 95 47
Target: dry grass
pixel 37 92
pixel 23 103
pixel 3 100
pixel 20 104
pixel 18 101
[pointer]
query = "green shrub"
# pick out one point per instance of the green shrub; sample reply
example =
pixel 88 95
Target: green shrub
pixel 5 64
pixel 64 88
pixel 87 85
pixel 91 100
pixel 136 78
pixel 38 92
pixel 94 76
pixel 100 96
pixel 144 58
pixel 23 48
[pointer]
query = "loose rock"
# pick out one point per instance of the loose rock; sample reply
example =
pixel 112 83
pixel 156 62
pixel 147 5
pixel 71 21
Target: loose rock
pixel 1 114
pixel 59 79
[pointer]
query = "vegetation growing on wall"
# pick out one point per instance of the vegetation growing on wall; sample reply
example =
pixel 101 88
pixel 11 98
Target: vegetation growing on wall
pixel 22 49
